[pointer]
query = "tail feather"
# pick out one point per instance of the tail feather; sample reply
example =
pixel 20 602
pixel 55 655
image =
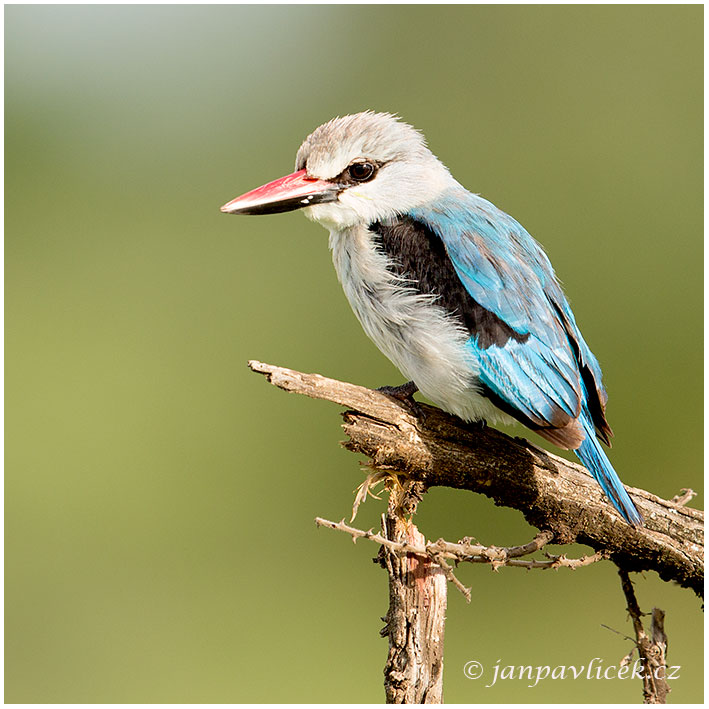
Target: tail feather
pixel 594 458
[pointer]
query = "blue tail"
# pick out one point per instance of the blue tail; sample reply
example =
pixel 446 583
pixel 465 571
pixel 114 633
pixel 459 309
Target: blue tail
pixel 594 458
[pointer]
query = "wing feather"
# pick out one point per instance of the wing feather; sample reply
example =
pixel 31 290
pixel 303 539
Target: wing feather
pixel 548 374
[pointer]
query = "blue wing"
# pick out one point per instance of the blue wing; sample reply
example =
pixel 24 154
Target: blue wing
pixel 541 374
pixel 545 375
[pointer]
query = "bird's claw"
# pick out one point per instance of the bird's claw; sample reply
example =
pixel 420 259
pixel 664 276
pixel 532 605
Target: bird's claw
pixel 405 394
pixel 402 392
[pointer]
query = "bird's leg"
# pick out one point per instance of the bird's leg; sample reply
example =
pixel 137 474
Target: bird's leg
pixel 405 393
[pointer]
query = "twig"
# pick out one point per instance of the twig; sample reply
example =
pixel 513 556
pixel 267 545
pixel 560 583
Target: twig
pixel 450 576
pixel 686 494
pixel 651 649
pixel 473 554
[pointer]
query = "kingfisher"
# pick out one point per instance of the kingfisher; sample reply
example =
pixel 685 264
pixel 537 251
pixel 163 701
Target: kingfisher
pixel 454 291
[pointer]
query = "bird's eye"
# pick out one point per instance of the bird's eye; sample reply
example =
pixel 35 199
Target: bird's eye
pixel 362 171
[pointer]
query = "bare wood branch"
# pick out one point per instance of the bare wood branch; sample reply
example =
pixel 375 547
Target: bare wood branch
pixel 552 493
pixel 652 648
pixel 415 621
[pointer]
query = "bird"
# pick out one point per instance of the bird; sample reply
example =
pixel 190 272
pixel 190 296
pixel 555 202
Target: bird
pixel 454 291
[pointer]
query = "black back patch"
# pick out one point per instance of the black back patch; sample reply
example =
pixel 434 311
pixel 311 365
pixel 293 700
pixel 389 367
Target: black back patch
pixel 417 254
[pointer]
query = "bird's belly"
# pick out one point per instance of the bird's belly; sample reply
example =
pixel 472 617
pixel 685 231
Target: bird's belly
pixel 434 357
pixel 421 339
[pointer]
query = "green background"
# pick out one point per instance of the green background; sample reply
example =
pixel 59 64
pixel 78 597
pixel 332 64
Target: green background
pixel 159 496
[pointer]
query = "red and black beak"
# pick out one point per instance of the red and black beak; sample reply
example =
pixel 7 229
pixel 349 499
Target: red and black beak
pixel 284 195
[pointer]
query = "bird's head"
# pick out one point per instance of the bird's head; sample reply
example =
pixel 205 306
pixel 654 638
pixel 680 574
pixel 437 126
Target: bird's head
pixel 353 170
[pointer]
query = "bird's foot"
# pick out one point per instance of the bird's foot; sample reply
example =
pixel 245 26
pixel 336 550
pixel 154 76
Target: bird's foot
pixel 402 392
pixel 405 393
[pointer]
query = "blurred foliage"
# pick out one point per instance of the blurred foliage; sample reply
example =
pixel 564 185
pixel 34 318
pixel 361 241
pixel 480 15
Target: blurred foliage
pixel 160 497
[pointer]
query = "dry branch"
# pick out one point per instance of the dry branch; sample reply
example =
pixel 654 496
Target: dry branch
pixel 552 493
pixel 651 648
pixel 418 597
pixel 464 552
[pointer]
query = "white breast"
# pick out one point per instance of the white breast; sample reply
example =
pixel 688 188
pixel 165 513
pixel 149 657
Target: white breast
pixel 424 342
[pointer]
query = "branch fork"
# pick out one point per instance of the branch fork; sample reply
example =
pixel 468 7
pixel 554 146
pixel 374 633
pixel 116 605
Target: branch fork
pixel 410 454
